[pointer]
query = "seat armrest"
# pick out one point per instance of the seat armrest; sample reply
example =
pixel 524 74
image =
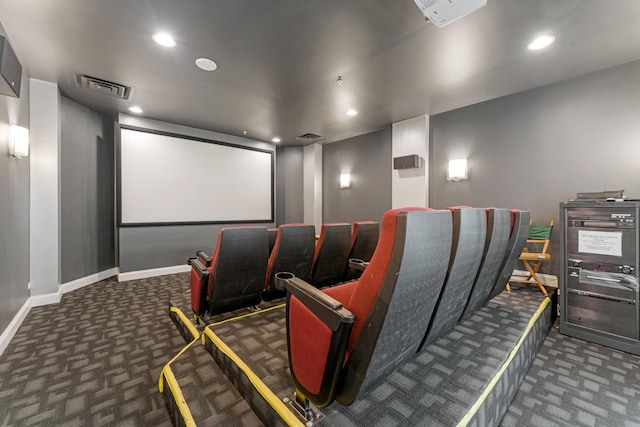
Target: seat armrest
pixel 206 259
pixel 200 269
pixel 318 331
pixel 329 310
pixel 358 264
pixel 199 281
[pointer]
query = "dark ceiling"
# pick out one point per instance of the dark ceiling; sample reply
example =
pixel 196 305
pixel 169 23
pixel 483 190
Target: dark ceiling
pixel 278 60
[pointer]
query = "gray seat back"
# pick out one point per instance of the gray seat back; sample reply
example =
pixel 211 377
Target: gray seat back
pixel 364 240
pixel 293 253
pixel 416 269
pixel 331 254
pixel 273 233
pixel 469 230
pixel 495 247
pixel 238 269
pixel 519 234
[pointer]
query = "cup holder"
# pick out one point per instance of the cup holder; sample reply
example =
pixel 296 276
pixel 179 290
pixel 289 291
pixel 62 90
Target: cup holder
pixel 281 279
pixel 357 264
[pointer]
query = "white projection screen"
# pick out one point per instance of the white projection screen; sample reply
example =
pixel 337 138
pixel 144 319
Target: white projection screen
pixel 173 179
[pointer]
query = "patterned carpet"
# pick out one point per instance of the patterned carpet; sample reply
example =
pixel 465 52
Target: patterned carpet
pixel 576 383
pixel 94 359
pixel 436 389
pixel 213 400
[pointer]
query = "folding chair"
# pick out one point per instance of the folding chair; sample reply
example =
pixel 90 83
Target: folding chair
pixel 538 235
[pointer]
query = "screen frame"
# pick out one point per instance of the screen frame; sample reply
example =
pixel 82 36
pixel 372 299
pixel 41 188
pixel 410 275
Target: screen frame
pixel 118 153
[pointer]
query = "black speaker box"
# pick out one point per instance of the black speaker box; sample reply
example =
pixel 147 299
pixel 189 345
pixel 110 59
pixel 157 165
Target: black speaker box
pixel 406 162
pixel 10 70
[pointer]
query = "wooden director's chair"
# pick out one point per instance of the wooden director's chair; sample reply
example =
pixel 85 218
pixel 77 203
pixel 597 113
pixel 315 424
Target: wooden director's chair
pixel 538 235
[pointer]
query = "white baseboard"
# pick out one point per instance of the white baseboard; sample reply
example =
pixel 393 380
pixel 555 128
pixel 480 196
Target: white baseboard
pixel 50 298
pixel 143 274
pixel 547 279
pixel 84 281
pixel 45 299
pixel 11 330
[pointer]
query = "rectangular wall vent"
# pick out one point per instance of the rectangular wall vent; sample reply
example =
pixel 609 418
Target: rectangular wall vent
pixel 103 87
pixel 310 137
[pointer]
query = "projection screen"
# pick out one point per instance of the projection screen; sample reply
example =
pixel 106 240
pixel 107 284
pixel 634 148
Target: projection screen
pixel 174 179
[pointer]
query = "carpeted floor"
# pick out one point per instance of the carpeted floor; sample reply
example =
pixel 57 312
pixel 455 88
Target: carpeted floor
pixel 94 359
pixel 436 388
pixel 576 383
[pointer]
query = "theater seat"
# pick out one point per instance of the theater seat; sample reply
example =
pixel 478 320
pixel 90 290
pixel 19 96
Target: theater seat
pixel 292 252
pixel 331 254
pixel 469 230
pixel 344 340
pixel 364 239
pixel 234 276
pixel 517 241
pixel 273 233
pixel 495 246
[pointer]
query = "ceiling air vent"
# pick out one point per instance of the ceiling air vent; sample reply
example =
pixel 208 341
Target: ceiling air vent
pixel 103 87
pixel 310 137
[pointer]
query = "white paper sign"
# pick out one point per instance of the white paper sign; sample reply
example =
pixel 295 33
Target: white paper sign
pixel 600 242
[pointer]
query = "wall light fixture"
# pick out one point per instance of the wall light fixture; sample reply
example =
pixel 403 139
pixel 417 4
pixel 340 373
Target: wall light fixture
pixel 457 170
pixel 18 141
pixel 345 180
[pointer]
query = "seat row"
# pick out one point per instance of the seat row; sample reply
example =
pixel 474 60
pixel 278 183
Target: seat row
pixel 431 269
pixel 242 268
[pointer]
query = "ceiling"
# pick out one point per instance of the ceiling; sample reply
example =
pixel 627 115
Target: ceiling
pixel 278 60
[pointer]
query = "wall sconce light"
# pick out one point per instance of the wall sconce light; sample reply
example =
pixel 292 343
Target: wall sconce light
pixel 18 142
pixel 457 170
pixel 345 180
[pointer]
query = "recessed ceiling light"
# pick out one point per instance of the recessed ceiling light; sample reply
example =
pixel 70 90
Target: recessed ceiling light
pixel 206 64
pixel 351 112
pixel 275 139
pixel 164 39
pixel 135 109
pixel 541 42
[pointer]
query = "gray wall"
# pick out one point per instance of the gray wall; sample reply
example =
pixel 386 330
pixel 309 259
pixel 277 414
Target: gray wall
pixel 14 208
pixel 534 149
pixel 87 233
pixel 368 159
pixel 142 248
pixel 289 185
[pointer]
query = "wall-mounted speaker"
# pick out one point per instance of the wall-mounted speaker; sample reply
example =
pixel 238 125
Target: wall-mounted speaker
pixel 407 162
pixel 10 70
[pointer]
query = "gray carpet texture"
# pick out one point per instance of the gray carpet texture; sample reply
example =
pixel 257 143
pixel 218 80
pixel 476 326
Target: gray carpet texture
pixel 213 400
pixel 576 383
pixel 93 359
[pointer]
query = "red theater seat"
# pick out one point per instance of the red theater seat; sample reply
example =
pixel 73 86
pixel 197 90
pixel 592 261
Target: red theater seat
pixel 292 252
pixel 331 254
pixel 273 233
pixel 345 340
pixel 364 239
pixel 234 276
